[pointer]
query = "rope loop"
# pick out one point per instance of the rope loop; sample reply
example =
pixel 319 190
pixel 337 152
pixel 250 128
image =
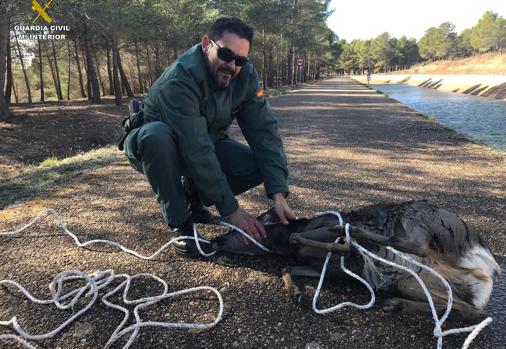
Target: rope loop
pixel 438 322
pixel 98 280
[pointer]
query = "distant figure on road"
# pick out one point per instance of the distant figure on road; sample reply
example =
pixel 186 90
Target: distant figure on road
pixel 187 114
pixel 368 77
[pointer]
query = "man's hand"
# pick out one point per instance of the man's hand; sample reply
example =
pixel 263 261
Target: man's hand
pixel 281 207
pixel 249 224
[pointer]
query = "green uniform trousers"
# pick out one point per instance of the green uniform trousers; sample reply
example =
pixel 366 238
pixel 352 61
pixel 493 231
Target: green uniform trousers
pixel 153 150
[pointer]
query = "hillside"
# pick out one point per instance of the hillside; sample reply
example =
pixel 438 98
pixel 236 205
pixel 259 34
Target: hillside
pixel 488 63
pixel 482 75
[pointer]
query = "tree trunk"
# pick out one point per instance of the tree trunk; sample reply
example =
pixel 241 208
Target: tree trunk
pixel 289 66
pixel 10 80
pixel 27 83
pixel 124 80
pixel 4 48
pixel 4 102
pixel 109 71
pixel 5 65
pixel 117 87
pixel 68 79
pixel 293 67
pixel 80 74
pixel 88 83
pixel 313 69
pixel 168 57
pixel 271 74
pixel 41 75
pixel 92 74
pixel 4 61
pixel 4 108
pixel 283 69
pixel 150 71
pixel 98 69
pixel 174 50
pixel 51 68
pixel 291 53
pixel 141 89
pixel 279 73
pixel 158 68
pixel 264 62
pixel 308 70
pixel 14 89
pixel 58 88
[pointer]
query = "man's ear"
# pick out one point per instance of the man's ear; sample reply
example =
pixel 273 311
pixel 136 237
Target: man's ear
pixel 205 43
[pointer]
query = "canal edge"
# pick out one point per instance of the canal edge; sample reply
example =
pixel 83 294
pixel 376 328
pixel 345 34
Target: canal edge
pixel 431 119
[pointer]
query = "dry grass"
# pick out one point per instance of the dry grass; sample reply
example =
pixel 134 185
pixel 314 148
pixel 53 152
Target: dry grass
pixel 488 63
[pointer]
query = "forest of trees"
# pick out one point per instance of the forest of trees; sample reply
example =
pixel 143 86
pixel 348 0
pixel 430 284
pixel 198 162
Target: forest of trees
pixel 120 47
pixel 385 53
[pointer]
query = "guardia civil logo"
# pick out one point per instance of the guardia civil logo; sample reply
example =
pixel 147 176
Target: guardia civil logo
pixel 39 28
pixel 41 9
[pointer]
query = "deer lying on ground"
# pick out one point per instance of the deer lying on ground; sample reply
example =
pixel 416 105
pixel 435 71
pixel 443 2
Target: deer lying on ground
pixel 427 233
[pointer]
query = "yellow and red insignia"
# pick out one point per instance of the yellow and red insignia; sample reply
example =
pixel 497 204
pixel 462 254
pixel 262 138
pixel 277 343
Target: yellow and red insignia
pixel 260 92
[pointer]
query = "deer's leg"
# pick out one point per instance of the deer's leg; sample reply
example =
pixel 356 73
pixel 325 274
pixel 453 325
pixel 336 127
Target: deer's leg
pixel 322 239
pixel 303 271
pixel 414 300
pixel 460 310
pixel 358 233
pixel 294 292
pixel 415 241
pixel 407 306
pixel 325 246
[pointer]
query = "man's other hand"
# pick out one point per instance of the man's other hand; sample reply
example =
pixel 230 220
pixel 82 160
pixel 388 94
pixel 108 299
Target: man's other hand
pixel 281 208
pixel 249 224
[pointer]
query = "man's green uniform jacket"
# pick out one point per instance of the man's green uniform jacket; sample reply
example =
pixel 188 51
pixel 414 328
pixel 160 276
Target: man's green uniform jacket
pixel 187 98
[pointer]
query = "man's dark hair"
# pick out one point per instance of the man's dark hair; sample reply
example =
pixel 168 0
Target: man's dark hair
pixel 232 25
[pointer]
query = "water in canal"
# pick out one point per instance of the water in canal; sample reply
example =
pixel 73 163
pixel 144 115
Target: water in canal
pixel 479 117
pixel 483 119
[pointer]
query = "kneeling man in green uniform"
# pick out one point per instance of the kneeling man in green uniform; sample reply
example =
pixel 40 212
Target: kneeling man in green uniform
pixel 187 114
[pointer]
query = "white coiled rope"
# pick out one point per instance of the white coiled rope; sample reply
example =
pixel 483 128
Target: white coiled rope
pixel 94 283
pixel 438 333
pixel 98 280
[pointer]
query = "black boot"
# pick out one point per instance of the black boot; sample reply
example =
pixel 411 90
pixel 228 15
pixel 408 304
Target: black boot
pixel 188 247
pixel 198 212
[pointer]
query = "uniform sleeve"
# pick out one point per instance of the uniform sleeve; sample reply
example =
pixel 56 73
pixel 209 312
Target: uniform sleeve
pixel 260 128
pixel 179 108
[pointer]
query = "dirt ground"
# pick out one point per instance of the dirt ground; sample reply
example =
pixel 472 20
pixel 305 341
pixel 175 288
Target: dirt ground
pixel 346 145
pixel 41 131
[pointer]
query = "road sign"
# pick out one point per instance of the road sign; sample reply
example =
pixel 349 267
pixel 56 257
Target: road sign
pixel 300 62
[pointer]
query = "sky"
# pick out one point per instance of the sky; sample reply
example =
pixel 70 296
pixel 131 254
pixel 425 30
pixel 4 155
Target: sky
pixel 366 19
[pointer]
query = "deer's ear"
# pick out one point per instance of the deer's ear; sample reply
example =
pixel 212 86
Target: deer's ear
pixel 269 217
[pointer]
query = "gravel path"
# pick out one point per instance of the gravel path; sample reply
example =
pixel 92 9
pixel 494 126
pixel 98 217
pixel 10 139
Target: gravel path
pixel 347 146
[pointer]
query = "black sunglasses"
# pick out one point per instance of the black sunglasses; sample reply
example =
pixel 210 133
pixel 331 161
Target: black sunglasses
pixel 227 55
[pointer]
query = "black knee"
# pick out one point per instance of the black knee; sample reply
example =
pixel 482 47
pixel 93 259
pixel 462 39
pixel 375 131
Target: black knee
pixel 155 137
